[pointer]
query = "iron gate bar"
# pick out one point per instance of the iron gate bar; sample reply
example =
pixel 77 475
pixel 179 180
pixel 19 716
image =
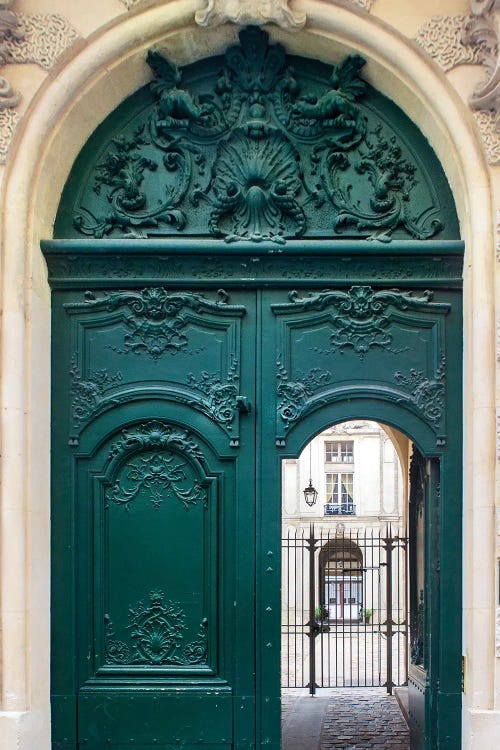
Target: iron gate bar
pixel 331 583
pixel 388 550
pixel 311 546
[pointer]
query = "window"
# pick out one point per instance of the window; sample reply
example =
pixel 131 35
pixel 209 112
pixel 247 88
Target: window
pixel 339 451
pixel 339 491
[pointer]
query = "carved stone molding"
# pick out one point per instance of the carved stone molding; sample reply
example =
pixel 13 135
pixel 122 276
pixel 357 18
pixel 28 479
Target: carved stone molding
pixel 365 4
pixel 497 419
pixel 245 12
pixel 8 122
pixel 9 32
pixel 441 38
pixel 41 39
pixel 131 3
pixel 481 31
pixel 45 36
pixel 497 232
pixel 497 633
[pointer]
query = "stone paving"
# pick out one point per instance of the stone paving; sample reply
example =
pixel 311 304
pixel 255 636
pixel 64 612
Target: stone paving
pixel 343 719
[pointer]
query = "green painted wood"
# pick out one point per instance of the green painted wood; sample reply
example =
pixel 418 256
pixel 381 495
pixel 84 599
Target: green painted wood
pixel 152 490
pixel 174 402
pixel 306 360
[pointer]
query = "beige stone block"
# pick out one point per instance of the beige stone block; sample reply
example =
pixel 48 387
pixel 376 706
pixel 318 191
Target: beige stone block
pixel 408 17
pixel 481 730
pixel 480 660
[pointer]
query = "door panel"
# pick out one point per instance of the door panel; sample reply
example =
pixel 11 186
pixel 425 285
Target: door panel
pixel 394 356
pixel 165 624
pixel 152 491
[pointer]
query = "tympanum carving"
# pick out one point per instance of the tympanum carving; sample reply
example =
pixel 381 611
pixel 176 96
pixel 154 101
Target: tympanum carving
pixel 265 153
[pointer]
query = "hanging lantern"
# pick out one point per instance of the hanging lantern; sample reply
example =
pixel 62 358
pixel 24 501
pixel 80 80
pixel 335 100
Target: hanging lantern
pixel 310 494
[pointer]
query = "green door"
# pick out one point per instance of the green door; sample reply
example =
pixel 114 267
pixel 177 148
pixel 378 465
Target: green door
pixel 321 209
pixel 153 500
pixel 172 413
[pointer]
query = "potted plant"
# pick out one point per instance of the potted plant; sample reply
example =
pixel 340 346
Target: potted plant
pixel 321 617
pixel 367 615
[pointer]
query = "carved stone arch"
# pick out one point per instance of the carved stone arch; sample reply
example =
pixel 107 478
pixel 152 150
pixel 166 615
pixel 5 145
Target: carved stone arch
pixel 70 108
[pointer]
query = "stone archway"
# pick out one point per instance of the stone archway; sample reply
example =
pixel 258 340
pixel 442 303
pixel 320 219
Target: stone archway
pixel 62 117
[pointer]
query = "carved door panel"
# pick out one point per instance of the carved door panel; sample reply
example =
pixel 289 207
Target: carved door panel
pixel 153 502
pixel 385 343
pixel 392 355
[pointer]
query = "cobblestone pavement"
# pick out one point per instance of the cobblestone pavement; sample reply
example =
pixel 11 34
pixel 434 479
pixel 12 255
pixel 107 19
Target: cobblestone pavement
pixel 349 719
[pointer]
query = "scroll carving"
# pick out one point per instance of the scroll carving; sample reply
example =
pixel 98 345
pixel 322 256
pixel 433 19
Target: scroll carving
pixel 156 320
pixel 10 31
pixel 156 469
pixel 481 30
pixel 156 636
pixel 361 317
pixel 472 39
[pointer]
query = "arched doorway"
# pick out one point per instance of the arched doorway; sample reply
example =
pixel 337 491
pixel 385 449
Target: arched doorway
pixel 163 371
pixel 341 579
pixel 354 560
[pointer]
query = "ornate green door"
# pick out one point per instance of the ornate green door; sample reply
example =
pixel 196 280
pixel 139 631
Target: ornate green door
pixel 325 215
pixel 152 542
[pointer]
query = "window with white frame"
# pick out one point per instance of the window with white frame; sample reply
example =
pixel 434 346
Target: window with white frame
pixel 339 489
pixel 339 451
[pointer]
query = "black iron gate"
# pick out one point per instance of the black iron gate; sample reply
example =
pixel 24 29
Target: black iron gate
pixel 344 609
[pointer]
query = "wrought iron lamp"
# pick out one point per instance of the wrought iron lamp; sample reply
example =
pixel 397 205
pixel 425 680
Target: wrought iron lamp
pixel 310 493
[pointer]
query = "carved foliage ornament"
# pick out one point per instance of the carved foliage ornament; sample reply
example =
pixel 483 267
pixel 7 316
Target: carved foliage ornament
pixel 426 394
pixel 222 396
pixel 361 318
pixel 9 30
pixel 156 321
pixel 156 636
pixel 89 393
pixel 157 471
pixel 293 395
pixel 481 30
pixel 247 158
